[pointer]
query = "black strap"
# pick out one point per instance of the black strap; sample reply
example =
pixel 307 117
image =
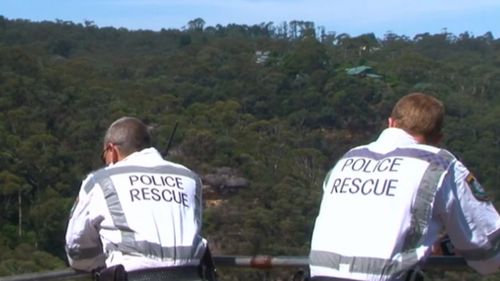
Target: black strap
pixel 208 270
pixel 414 275
pixel 118 273
pixel 112 273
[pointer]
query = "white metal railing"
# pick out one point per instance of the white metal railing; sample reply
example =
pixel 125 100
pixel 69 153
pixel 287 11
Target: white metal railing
pixel 261 262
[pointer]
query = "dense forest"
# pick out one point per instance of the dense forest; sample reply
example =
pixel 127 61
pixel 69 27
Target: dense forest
pixel 263 112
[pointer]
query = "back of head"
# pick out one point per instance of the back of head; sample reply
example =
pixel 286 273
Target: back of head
pixel 129 134
pixel 420 115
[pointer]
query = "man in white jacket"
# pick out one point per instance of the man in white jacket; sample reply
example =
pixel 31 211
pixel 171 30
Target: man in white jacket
pixel 385 204
pixel 140 211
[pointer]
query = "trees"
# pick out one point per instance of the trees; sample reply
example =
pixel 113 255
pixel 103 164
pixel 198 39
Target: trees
pixel 272 103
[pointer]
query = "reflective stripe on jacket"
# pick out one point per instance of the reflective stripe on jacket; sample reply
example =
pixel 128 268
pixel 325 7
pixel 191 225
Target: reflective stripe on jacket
pixel 140 212
pixel 385 204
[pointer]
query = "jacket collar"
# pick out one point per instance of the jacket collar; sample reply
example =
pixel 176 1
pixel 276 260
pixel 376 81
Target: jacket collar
pixel 396 137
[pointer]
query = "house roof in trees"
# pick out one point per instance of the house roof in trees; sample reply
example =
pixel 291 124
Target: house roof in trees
pixel 362 70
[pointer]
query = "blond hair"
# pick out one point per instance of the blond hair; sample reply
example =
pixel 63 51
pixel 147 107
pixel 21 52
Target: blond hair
pixel 420 114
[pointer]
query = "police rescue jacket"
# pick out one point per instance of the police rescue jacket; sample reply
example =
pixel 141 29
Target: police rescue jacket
pixel 386 203
pixel 141 212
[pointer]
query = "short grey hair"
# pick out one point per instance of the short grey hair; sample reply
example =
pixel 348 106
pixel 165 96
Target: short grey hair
pixel 130 134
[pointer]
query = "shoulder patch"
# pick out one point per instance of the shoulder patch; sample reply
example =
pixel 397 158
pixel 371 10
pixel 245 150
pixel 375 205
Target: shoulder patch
pixel 476 188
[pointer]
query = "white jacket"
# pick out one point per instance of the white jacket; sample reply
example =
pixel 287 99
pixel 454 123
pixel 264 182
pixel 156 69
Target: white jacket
pixel 141 212
pixel 386 203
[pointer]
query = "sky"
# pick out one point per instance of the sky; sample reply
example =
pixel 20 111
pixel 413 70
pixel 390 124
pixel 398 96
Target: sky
pixel 353 17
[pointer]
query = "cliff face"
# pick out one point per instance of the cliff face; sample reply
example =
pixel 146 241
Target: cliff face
pixel 221 183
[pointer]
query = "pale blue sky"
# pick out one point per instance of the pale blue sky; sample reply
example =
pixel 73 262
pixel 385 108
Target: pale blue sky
pixel 353 17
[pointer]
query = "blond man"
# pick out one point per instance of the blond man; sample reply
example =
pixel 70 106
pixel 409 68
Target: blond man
pixel 385 204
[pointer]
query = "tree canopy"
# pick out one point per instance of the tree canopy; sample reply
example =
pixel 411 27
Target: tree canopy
pixel 271 103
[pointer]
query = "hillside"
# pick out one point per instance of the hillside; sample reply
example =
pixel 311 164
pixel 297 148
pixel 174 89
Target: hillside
pixel 263 112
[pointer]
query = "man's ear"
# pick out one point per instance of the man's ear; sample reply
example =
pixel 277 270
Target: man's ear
pixel 115 154
pixel 391 123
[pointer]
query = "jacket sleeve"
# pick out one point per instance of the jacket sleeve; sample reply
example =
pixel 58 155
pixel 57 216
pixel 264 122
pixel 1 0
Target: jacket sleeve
pixel 83 244
pixel 470 219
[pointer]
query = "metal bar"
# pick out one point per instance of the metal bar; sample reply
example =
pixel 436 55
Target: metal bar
pixel 64 274
pixel 264 262
pixel 261 261
pixel 451 263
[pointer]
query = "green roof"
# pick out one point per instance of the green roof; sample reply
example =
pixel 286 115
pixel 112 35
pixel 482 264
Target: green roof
pixel 362 70
pixel 358 70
